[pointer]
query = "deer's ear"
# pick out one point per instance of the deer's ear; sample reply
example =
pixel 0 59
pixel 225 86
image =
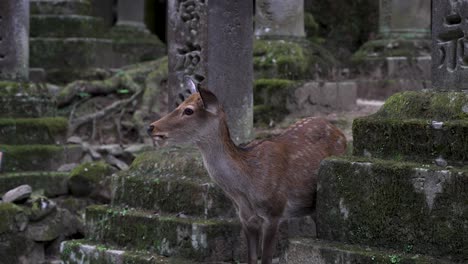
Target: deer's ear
pixel 210 102
pixel 190 85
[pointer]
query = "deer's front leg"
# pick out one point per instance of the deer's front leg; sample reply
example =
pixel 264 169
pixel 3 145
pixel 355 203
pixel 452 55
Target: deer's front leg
pixel 269 237
pixel 253 237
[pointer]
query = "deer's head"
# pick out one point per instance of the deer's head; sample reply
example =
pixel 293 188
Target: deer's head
pixel 194 120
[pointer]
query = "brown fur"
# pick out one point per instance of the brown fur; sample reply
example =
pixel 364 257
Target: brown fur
pixel 267 180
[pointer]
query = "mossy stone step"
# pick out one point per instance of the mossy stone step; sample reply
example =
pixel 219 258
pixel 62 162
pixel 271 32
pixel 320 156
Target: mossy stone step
pixel 305 251
pixel 419 126
pixel 52 183
pixel 19 100
pixel 82 251
pixel 66 26
pixel 56 53
pixel 394 205
pixel 60 7
pixel 38 157
pixel 21 131
pixel 168 235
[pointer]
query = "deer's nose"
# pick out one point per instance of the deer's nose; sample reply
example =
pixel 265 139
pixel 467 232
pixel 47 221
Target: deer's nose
pixel 150 129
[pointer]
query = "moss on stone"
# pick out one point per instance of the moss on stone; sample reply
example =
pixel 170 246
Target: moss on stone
pixel 382 48
pixel 33 130
pixel 53 183
pixel 85 178
pixel 393 205
pixel 8 214
pixel 63 26
pixel 195 239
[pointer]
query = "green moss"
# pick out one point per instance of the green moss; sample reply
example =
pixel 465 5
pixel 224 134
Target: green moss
pixel 383 48
pixel 8 213
pixel 53 183
pixel 381 203
pixel 59 26
pixel 33 130
pixel 85 178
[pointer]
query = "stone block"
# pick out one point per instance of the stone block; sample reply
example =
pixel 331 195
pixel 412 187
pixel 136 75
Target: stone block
pixel 174 181
pixel 19 100
pixel 79 251
pixel 375 89
pixel 168 235
pixel 394 205
pixel 21 131
pixel 416 126
pixel 38 157
pixel 65 26
pixel 60 7
pixel 304 251
pixel 52 183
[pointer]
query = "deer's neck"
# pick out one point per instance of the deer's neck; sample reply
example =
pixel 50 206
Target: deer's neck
pixel 222 158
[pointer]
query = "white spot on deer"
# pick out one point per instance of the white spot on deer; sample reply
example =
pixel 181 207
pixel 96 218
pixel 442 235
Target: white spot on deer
pixel 343 209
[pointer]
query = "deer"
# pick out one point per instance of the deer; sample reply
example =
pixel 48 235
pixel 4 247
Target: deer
pixel 267 180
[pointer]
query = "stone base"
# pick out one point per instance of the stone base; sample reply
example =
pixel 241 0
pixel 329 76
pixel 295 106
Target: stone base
pixel 305 251
pixel 395 205
pixel 65 26
pixel 21 131
pixel 52 184
pixel 25 100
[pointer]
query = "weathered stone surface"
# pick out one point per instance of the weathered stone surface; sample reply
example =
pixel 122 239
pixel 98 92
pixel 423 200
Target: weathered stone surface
pixel 14 44
pixel 279 18
pixel 40 207
pixel 302 251
pixel 21 131
pixel 18 194
pixel 395 205
pixel 448 45
pixel 131 13
pixel 16 248
pixel 215 54
pixel 66 26
pixel 174 181
pixel 52 183
pixel 12 217
pixel 60 223
pixel 77 251
pixel 88 179
pixel 38 157
pixel 19 100
pixel 60 7
pixel 394 23
pixel 416 126
pixel 195 239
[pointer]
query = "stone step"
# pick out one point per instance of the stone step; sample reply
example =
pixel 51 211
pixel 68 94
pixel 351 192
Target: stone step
pixel 60 7
pixel 19 100
pixel 65 26
pixel 82 251
pixel 51 183
pixel 38 157
pixel 21 131
pixel 423 127
pixel 394 205
pixel 167 235
pixel 305 251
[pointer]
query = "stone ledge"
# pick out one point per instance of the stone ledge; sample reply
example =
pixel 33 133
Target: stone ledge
pixel 38 157
pixel 302 251
pixel 66 26
pixel 52 183
pixel 394 205
pixel 60 7
pixel 22 131
pixel 79 251
pixel 168 235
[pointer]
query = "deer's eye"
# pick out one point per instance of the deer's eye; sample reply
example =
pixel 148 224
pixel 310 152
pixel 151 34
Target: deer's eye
pixel 188 111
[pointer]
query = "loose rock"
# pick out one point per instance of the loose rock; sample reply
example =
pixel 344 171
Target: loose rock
pixel 18 195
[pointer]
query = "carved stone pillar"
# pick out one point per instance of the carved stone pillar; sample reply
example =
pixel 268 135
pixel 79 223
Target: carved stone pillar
pixel 279 18
pixel 131 13
pixel 14 40
pixel 211 41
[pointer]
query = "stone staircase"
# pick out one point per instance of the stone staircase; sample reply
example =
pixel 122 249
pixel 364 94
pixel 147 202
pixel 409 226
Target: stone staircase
pixel 69 43
pixel 165 209
pixel 32 140
pixel 401 197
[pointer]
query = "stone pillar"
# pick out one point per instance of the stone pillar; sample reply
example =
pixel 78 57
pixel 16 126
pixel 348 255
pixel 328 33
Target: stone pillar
pixel 403 18
pixel 449 45
pixel 279 18
pixel 131 13
pixel 211 41
pixel 14 40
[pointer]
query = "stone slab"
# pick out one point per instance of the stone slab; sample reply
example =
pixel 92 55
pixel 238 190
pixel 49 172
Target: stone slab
pixel 279 18
pixel 168 235
pixel 21 131
pixel 304 251
pixel 416 126
pixel 449 71
pixel 60 7
pixel 394 205
pixel 38 157
pixel 66 26
pixel 52 183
